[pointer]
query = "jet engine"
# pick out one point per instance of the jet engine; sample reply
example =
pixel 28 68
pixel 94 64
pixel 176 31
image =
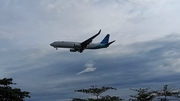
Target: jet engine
pixel 73 50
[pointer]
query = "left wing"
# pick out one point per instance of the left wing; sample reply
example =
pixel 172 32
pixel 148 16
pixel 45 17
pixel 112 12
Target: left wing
pixel 88 41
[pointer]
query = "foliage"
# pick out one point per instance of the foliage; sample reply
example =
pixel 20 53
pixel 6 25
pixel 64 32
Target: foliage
pixel 166 92
pixel 110 98
pixel 97 92
pixel 106 98
pixel 8 93
pixel 79 99
pixel 143 95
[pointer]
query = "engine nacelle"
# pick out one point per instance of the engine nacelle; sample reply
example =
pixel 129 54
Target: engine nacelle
pixel 77 45
pixel 73 50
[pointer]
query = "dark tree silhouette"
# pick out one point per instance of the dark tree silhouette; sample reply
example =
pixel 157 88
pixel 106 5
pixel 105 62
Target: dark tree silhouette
pixel 110 98
pixel 143 95
pixel 8 93
pixel 166 92
pixel 79 99
pixel 94 90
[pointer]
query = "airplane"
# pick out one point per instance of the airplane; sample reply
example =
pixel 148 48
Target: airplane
pixel 80 46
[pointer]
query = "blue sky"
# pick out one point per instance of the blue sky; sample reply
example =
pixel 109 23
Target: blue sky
pixel 145 54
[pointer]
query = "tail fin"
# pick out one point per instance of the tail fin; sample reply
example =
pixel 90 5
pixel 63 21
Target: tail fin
pixel 106 39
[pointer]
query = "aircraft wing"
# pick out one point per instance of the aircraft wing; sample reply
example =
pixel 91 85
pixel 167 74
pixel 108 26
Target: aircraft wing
pixel 88 41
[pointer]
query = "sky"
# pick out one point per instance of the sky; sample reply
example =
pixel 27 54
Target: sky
pixel 145 54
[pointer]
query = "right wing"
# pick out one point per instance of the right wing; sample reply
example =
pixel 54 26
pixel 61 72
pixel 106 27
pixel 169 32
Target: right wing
pixel 88 41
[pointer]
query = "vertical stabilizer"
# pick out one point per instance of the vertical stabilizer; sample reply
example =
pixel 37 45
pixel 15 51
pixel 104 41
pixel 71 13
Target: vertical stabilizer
pixel 105 40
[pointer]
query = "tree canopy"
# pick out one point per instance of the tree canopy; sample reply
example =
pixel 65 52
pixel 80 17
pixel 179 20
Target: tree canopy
pixel 7 93
pixel 94 90
pixel 145 94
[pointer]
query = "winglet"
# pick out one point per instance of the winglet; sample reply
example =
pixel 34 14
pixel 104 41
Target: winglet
pixel 95 35
pixel 99 32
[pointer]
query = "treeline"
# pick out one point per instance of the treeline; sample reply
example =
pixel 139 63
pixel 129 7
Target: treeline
pixel 7 93
pixel 143 94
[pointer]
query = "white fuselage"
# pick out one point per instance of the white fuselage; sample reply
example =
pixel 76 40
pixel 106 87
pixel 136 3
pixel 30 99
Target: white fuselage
pixel 76 45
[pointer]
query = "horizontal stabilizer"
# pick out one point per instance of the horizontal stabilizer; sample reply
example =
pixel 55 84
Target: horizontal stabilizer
pixel 110 43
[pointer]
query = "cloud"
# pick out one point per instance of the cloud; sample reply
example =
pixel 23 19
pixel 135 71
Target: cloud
pixel 89 68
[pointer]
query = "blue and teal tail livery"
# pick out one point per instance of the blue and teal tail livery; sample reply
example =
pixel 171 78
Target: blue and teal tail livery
pixel 105 40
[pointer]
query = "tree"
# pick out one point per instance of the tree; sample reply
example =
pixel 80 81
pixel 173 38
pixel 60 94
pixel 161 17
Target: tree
pixel 79 99
pixel 8 93
pixel 110 98
pixel 94 90
pixel 143 95
pixel 165 92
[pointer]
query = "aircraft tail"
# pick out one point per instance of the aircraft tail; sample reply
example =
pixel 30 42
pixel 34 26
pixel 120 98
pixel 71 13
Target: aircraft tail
pixel 105 40
pixel 110 43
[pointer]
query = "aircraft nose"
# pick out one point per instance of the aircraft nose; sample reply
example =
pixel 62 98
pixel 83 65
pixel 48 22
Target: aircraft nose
pixel 51 44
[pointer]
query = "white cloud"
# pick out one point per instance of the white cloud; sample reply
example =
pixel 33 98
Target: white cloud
pixel 89 68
